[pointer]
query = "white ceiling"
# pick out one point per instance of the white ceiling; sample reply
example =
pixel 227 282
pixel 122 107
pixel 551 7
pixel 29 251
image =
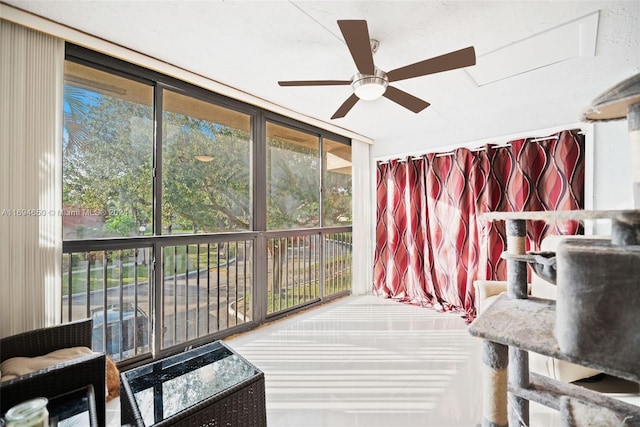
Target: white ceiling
pixel 251 45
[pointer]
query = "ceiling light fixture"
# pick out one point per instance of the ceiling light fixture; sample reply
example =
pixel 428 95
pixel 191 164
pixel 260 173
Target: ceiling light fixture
pixel 369 87
pixel 204 158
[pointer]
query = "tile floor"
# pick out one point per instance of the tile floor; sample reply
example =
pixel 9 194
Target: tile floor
pixel 367 361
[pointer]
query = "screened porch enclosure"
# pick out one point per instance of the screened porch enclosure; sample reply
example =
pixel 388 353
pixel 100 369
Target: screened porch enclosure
pixel 188 216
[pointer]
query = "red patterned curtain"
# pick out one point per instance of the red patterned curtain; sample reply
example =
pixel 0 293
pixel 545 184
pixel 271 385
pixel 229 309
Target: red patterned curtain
pixel 430 241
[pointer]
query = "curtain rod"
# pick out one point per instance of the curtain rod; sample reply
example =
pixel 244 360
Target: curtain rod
pixel 384 162
pixel 548 138
pixel 578 128
pixel 475 150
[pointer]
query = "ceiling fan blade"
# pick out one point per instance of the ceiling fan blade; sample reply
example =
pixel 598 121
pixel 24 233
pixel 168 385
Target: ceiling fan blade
pixel 345 107
pixel 408 101
pixel 315 83
pixel 356 35
pixel 449 61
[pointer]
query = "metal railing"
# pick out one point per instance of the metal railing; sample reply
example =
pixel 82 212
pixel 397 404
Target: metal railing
pixel 197 286
pixel 338 262
pixel 113 287
pixel 295 277
pixel 204 287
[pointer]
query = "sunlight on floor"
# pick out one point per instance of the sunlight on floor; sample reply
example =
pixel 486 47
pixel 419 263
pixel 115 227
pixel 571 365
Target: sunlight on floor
pixel 368 361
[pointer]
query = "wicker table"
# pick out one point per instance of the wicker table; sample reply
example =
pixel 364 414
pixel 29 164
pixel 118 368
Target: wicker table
pixel 209 385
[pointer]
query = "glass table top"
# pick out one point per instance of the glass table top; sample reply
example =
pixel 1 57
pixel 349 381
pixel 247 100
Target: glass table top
pixel 72 409
pixel 173 384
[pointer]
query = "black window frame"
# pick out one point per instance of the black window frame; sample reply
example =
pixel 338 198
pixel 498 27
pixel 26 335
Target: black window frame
pixel 258 155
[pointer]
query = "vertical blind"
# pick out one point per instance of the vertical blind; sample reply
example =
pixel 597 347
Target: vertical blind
pixel 31 73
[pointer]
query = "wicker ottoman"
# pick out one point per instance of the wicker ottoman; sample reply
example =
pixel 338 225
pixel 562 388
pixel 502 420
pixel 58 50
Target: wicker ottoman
pixel 206 386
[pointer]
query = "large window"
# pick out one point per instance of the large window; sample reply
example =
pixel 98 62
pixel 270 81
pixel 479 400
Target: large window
pixel 293 178
pixel 189 216
pixel 336 196
pixel 295 171
pixel 206 166
pixel 108 154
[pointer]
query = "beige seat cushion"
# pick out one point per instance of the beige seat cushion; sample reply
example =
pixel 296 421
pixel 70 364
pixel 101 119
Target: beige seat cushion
pixel 17 366
pixel 486 293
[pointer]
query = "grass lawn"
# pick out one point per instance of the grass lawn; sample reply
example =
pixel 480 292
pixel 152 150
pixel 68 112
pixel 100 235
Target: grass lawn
pixel 277 301
pixel 175 259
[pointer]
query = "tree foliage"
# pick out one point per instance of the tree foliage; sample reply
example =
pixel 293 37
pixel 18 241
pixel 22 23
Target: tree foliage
pixel 211 195
pixel 108 167
pixel 293 196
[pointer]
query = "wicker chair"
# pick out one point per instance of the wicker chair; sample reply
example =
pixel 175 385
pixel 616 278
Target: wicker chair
pixel 58 379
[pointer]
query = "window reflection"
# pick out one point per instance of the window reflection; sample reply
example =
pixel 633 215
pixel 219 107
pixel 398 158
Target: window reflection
pixel 206 167
pixel 336 197
pixel 293 178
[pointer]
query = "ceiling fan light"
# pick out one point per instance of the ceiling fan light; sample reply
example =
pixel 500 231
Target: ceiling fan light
pixel 370 91
pixel 203 158
pixel 370 87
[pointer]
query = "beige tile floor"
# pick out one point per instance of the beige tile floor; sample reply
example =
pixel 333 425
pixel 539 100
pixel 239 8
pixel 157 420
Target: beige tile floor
pixel 367 361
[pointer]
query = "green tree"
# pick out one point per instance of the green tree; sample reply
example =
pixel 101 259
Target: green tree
pixel 293 185
pixel 212 195
pixel 336 199
pixel 108 158
pixel 108 167
pixel 119 225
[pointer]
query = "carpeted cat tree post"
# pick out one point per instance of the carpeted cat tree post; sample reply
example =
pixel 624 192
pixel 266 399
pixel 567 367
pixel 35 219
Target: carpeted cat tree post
pixel 599 283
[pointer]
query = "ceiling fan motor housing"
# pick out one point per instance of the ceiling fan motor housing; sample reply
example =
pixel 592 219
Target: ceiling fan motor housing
pixel 369 87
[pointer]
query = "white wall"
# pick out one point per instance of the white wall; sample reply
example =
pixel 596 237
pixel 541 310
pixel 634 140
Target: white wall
pixel 363 225
pixel 612 166
pixel 611 170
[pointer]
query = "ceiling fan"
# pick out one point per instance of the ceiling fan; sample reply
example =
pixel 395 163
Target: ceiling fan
pixel 370 83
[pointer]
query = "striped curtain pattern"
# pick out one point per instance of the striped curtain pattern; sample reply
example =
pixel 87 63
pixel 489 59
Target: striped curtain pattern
pixel 431 244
